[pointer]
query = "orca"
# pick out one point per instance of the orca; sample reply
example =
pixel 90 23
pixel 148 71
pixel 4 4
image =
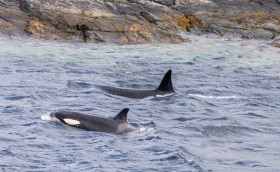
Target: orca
pixel 117 125
pixel 165 89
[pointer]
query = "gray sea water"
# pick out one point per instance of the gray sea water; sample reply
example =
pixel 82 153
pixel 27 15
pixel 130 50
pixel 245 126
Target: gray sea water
pixel 225 115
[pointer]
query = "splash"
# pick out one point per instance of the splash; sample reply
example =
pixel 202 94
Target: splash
pixel 159 96
pixel 143 129
pixel 48 117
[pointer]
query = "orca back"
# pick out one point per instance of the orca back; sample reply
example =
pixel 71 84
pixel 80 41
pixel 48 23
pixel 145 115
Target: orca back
pixel 117 125
pixel 165 88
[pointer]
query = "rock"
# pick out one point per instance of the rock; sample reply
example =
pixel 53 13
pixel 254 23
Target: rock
pixel 12 20
pixel 200 3
pixel 5 24
pixel 276 42
pixel 165 2
pixel 258 34
pixel 148 17
pixel 271 27
pixel 247 18
pixel 97 21
pixel 135 21
pixel 237 23
pixel 267 4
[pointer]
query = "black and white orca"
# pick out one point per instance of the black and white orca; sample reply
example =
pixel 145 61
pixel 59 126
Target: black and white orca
pixel 165 89
pixel 117 125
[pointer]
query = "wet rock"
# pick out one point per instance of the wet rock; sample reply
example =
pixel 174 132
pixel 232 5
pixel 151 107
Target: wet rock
pixel 276 42
pixel 258 34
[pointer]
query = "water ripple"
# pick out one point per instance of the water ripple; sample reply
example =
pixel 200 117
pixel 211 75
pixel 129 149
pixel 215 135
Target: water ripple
pixel 223 117
pixel 227 130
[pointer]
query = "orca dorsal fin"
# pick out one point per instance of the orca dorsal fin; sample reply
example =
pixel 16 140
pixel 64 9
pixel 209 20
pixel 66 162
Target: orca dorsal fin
pixel 122 116
pixel 166 83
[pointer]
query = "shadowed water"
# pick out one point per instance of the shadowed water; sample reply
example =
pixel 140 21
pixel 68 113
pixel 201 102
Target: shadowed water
pixel 223 117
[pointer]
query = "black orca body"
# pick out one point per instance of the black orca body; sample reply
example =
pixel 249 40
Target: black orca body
pixel 117 125
pixel 165 88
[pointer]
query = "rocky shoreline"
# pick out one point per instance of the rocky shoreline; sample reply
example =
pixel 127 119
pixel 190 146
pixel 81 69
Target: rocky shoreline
pixel 139 21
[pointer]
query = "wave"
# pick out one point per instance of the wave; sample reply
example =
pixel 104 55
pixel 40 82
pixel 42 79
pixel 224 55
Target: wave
pixel 159 96
pixel 213 97
pixel 227 130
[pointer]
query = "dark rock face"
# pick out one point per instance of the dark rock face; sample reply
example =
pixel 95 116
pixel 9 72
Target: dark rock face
pixel 134 21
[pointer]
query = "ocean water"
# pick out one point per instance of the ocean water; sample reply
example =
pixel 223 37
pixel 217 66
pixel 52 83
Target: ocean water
pixel 225 115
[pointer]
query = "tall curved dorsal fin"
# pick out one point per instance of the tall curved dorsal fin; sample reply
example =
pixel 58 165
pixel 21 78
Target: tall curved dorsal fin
pixel 122 116
pixel 166 83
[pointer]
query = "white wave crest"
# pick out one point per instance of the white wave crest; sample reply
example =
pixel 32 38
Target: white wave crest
pixel 141 130
pixel 213 97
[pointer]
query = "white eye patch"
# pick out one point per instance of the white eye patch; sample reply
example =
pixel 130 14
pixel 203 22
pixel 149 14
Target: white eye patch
pixel 71 121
